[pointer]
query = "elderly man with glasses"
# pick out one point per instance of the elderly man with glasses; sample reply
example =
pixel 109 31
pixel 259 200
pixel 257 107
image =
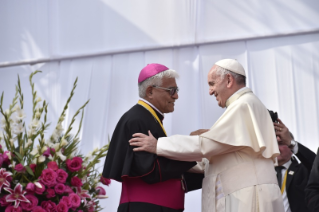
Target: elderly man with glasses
pixel 241 147
pixel 149 182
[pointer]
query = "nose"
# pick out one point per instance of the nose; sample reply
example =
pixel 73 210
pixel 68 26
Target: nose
pixel 175 96
pixel 211 92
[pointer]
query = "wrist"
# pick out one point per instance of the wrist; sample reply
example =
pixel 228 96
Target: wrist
pixel 292 144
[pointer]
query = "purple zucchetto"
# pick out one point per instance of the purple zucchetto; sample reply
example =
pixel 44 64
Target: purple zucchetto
pixel 151 70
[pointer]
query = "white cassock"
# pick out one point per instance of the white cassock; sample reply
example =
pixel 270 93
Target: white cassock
pixel 241 148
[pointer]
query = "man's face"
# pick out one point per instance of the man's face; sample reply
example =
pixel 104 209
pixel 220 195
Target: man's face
pixel 218 87
pixel 163 101
pixel 285 154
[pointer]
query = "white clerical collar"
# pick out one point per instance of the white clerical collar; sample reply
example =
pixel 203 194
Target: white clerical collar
pixel 147 102
pixel 237 92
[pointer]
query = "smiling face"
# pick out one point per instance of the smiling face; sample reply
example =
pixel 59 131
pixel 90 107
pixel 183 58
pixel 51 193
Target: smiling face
pixel 218 87
pixel 161 99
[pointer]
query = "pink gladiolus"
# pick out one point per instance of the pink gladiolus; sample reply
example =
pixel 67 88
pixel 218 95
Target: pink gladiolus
pixel 75 200
pixel 62 207
pixel 20 168
pixel 100 190
pixel 13 209
pixel 33 202
pixel 59 188
pixel 16 195
pixel 50 193
pixel 105 181
pixel 75 164
pixel 83 194
pixel 53 165
pixel 48 177
pixel 4 178
pixel 61 176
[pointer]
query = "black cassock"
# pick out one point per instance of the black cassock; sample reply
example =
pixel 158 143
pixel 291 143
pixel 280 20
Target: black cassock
pixel 122 162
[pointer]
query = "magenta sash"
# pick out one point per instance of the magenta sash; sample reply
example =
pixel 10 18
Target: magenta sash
pixel 168 193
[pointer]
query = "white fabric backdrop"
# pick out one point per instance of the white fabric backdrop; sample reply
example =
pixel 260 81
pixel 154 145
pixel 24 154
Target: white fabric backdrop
pixel 283 70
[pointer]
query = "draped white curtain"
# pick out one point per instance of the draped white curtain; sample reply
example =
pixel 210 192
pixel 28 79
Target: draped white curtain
pixel 106 43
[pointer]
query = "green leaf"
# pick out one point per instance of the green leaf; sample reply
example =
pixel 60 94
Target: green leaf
pixel 29 170
pixel 19 156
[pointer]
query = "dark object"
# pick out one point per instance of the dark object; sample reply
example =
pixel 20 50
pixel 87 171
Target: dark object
pixel 279 175
pixel 273 115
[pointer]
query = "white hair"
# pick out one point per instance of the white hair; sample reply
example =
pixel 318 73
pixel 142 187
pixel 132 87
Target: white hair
pixel 155 80
pixel 240 79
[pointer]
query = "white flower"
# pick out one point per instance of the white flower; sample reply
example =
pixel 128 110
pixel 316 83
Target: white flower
pixel 44 149
pixel 19 128
pixel 41 159
pixel 13 164
pixel 61 156
pixel 29 142
pixel 1 135
pixel 38 99
pixel 3 122
pixel 89 155
pixel 9 155
pixel 37 115
pixel 95 150
pixel 56 146
pixel 35 123
pixel 34 161
pixel 7 111
pixel 20 114
pixel 63 142
pixel 37 184
pixel 50 157
pixel 34 151
pixel 12 142
pixel 16 107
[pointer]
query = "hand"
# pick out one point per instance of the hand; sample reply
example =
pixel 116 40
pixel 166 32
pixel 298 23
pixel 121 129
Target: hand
pixel 144 142
pixel 198 132
pixel 283 132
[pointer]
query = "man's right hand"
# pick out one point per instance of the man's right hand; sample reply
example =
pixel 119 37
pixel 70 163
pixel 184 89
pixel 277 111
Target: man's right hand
pixel 283 132
pixel 144 142
pixel 198 132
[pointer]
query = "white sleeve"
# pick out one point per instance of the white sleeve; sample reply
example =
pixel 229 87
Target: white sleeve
pixel 191 148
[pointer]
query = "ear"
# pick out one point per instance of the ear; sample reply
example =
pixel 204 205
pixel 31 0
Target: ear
pixel 149 92
pixel 230 80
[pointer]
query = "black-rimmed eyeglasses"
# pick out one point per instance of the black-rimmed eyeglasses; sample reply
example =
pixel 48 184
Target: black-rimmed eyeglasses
pixel 171 91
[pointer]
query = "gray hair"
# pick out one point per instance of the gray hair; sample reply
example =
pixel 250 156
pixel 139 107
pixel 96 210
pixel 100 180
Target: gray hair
pixel 155 80
pixel 240 79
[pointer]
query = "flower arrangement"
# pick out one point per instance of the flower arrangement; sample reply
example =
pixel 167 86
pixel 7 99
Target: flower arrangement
pixel 45 174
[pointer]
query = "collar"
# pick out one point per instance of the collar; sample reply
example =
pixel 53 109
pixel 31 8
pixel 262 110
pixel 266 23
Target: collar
pixel 147 102
pixel 287 164
pixel 236 95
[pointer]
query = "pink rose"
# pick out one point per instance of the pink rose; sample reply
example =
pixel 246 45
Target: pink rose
pixel 50 193
pixel 12 209
pixel 67 201
pixel 75 181
pixel 39 190
pixel 20 168
pixel 32 167
pixel 48 177
pixel 75 164
pixel 62 207
pixel 105 181
pixel 75 200
pixel 59 188
pixel 38 209
pixel 30 187
pixel 53 165
pixel 68 190
pixel 3 202
pixel 100 190
pixel 61 176
pixel 48 206
pixel 29 206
